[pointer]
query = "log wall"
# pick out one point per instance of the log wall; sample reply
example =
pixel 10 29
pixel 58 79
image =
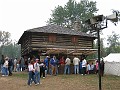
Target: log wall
pixel 46 40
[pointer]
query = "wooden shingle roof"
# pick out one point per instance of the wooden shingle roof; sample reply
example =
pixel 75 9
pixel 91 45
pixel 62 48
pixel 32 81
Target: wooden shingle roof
pixel 59 30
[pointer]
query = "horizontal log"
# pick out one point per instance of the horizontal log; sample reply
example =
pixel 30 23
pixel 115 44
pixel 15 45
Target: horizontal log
pixel 41 45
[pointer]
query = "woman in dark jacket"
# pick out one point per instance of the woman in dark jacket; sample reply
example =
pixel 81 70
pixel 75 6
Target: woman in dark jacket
pixel 42 68
pixel 10 65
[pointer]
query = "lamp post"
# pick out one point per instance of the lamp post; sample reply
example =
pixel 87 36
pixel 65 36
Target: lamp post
pixel 98 36
pixel 98 41
pixel 97 23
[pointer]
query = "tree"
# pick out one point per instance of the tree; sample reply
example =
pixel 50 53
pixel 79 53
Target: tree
pixel 12 50
pixel 66 16
pixel 7 48
pixel 102 49
pixel 4 38
pixel 114 43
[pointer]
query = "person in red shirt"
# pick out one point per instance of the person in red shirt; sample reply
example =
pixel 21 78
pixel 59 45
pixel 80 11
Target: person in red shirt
pixel 62 64
pixel 62 60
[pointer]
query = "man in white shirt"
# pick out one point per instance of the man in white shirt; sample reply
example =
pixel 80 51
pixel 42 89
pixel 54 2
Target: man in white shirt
pixel 76 65
pixel 84 63
pixel 92 68
pixel 67 65
pixel 15 64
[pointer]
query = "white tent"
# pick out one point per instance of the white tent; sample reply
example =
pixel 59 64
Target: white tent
pixel 112 64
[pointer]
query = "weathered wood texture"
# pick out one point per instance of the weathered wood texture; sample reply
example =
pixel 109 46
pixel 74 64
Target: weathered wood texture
pixel 43 40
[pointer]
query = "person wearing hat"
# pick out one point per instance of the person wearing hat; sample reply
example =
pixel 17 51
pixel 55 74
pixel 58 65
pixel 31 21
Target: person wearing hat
pixel 37 71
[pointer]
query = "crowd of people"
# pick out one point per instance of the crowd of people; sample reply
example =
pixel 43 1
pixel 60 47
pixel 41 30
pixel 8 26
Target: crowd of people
pixel 53 66
pixel 49 65
pixel 9 65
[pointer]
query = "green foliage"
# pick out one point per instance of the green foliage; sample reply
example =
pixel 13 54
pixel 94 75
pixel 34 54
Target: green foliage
pixel 66 16
pixel 102 50
pixel 114 43
pixel 7 48
pixel 4 38
pixel 113 46
pixel 12 50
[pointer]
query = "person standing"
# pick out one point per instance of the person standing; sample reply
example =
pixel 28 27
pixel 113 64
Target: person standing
pixel 92 68
pixel 88 68
pixel 53 63
pixel 62 64
pixel 26 63
pixel 2 63
pixel 84 63
pixel 10 66
pixel 46 62
pixel 37 71
pixel 22 64
pixel 42 68
pixel 67 66
pixel 80 67
pixel 18 65
pixel 5 67
pixel 97 67
pixel 15 64
pixel 31 73
pixel 76 65
pixel 102 68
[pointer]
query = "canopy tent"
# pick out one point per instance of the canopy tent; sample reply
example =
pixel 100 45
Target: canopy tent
pixel 112 64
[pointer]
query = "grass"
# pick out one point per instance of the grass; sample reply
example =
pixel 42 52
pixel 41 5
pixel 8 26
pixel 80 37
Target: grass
pixel 21 75
pixel 109 82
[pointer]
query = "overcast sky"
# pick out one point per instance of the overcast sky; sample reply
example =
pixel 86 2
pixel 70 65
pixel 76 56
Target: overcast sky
pixel 16 16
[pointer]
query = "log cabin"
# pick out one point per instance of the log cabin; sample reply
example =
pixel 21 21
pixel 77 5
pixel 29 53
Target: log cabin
pixel 55 39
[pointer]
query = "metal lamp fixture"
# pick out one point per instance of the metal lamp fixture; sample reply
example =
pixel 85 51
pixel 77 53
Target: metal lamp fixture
pixel 95 20
pixel 100 18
